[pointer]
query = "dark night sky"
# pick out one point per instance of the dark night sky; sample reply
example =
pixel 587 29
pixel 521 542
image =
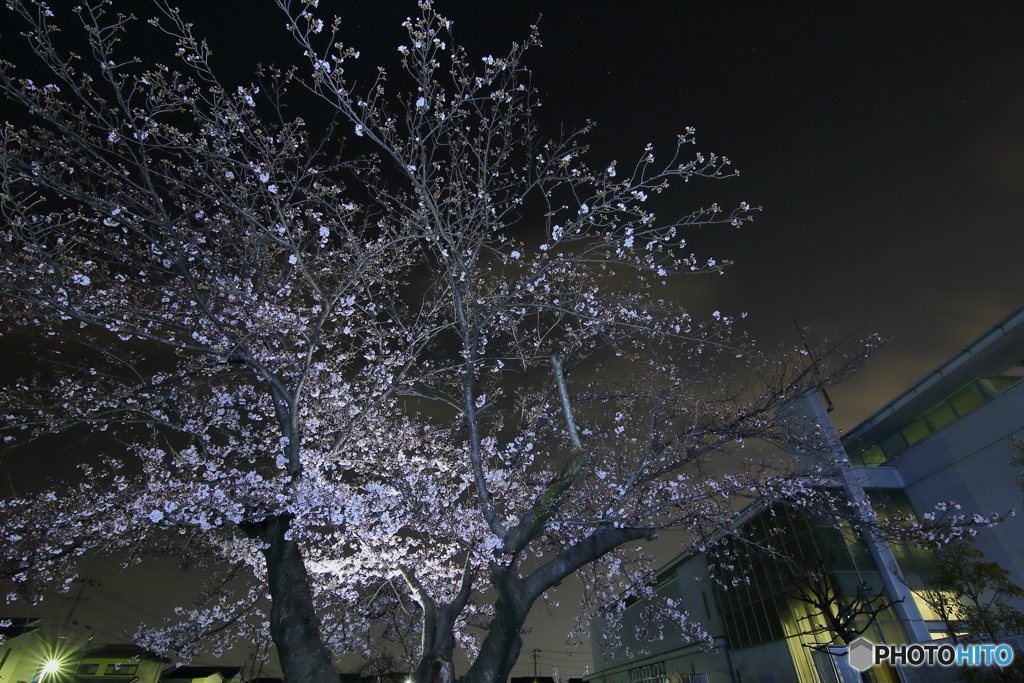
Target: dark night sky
pixel 885 142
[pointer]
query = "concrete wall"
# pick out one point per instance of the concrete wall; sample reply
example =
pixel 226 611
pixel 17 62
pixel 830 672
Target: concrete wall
pixel 698 598
pixel 685 586
pixel 691 585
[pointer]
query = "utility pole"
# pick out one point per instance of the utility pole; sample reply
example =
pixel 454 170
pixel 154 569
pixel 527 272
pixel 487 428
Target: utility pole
pixel 535 651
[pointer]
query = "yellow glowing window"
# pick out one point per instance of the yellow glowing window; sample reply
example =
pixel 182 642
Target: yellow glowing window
pixel 121 669
pixel 916 431
pixel 872 457
pixel 940 416
pixel 994 385
pixel 966 399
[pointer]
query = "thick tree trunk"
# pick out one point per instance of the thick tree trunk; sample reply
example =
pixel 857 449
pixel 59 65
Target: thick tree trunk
pixel 435 663
pixel 435 668
pixel 516 596
pixel 294 625
pixel 501 647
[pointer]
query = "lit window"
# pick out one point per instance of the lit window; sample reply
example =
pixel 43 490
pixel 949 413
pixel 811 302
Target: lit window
pixel 121 669
pixel 994 385
pixel 949 410
pixel 940 416
pixel 916 431
pixel 966 399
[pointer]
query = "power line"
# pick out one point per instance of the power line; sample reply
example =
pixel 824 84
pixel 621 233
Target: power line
pixel 92 628
pixel 115 616
pixel 124 601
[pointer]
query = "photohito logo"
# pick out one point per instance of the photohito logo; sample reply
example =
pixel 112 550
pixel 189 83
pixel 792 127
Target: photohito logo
pixel 864 654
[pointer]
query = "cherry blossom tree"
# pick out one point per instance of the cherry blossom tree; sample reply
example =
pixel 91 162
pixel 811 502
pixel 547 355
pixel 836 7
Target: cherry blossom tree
pixel 182 260
pixel 403 392
pixel 591 411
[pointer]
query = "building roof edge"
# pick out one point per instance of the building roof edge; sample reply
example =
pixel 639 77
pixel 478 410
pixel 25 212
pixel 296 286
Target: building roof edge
pixel 1010 322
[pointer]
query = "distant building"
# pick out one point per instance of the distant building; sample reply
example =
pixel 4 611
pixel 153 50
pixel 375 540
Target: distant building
pixel 944 438
pixel 23 652
pixel 116 664
pixel 28 657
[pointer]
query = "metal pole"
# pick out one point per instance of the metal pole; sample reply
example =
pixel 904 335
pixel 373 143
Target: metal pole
pixel 881 553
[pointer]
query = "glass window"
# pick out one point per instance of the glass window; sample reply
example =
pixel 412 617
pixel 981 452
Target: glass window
pixel 940 416
pixel 894 445
pixel 960 403
pixel 916 431
pixel 121 669
pixel 752 611
pixel 993 385
pixel 87 669
pixel 967 399
pixel 872 457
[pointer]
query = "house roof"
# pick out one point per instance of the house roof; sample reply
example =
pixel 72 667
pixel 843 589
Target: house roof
pixel 123 651
pixel 18 627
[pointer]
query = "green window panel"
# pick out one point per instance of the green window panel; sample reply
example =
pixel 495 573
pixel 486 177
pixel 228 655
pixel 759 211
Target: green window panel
pixel 967 399
pixel 916 431
pixel 119 669
pixel 872 457
pixel 959 404
pixel 894 445
pixel 940 416
pixel 993 385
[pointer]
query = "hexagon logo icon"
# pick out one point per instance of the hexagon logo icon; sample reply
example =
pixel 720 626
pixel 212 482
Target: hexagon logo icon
pixel 862 654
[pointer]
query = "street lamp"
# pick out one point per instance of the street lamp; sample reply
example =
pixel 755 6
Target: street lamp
pixel 52 666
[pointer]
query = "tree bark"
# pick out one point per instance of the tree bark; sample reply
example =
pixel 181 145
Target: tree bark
pixel 435 662
pixel 435 667
pixel 504 641
pixel 294 625
pixel 516 596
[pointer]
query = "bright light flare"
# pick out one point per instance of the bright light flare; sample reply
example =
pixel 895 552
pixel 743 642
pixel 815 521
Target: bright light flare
pixel 51 667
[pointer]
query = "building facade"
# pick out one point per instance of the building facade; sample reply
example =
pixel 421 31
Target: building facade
pixel 946 438
pixel 28 656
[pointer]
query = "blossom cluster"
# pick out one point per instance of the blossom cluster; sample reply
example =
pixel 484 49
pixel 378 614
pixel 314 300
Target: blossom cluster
pixel 447 416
